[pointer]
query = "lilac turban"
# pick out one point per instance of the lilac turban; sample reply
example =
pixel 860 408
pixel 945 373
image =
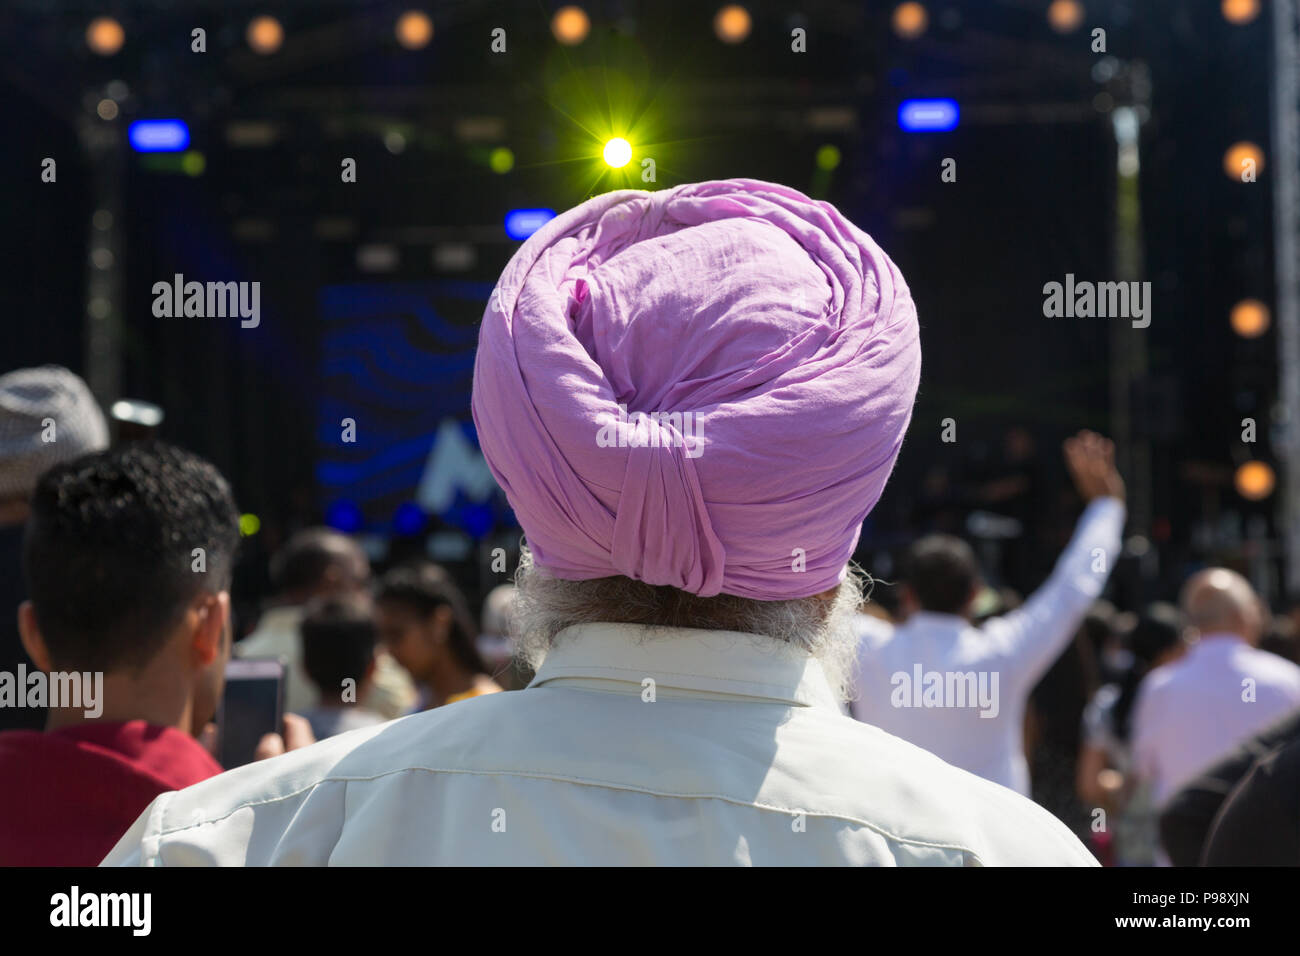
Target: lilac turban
pixel 704 387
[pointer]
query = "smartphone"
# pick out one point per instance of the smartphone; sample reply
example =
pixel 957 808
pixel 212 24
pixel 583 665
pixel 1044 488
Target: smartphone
pixel 251 707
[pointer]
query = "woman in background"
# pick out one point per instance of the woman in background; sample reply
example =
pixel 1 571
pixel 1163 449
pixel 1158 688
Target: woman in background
pixel 424 621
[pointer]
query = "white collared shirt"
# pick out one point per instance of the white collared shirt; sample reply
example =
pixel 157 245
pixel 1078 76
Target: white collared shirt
pixel 988 670
pixel 631 746
pixel 1192 711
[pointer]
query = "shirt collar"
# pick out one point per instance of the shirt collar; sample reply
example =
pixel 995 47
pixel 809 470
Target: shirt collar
pixel 1216 641
pixel 169 755
pixel 724 663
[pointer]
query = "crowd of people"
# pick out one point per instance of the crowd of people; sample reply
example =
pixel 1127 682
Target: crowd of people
pixel 710 679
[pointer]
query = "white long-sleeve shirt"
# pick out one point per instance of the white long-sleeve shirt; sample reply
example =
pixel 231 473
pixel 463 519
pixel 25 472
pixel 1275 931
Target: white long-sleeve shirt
pixel 663 747
pixel 1192 711
pixel 959 691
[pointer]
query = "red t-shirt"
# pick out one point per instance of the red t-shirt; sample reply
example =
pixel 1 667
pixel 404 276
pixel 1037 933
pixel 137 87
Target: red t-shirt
pixel 68 795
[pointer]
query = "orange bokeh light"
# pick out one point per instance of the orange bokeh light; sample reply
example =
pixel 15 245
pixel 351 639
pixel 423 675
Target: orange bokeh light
pixel 1065 16
pixel 570 25
pixel 1255 480
pixel 1237 154
pixel 414 29
pixel 1240 11
pixel 910 20
pixel 732 24
pixel 105 36
pixel 1250 318
pixel 265 34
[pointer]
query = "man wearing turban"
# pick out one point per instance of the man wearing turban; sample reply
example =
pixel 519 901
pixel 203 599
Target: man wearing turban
pixel 691 399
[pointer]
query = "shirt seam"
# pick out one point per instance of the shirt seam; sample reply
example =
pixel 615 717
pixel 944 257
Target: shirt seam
pixel 759 691
pixel 582 781
pixel 649 672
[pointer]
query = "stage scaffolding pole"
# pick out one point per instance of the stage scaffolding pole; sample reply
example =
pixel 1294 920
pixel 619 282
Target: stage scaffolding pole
pixel 1128 345
pixel 104 146
pixel 1286 229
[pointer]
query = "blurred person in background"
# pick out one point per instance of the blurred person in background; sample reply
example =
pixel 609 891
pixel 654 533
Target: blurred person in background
pixel 108 559
pixel 47 416
pixel 941 581
pixel 494 643
pixel 1103 631
pixel 1281 639
pixel 338 655
pixel 1053 734
pixel 1105 778
pixel 1292 614
pixel 425 623
pixel 1192 711
pixel 320 563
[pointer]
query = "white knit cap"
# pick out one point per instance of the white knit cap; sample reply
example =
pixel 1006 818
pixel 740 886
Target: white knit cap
pixel 47 416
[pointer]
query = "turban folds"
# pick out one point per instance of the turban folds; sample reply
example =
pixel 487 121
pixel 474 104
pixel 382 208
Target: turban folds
pixel 704 387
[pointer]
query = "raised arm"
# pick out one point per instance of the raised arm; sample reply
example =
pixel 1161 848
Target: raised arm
pixel 1034 635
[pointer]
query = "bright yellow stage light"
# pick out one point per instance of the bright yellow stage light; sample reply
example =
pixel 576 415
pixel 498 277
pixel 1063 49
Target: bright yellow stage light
pixel 618 152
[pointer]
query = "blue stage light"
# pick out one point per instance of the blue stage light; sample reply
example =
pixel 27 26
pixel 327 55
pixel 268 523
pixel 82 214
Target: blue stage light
pixel 928 116
pixel 522 223
pixel 344 515
pixel 409 519
pixel 159 136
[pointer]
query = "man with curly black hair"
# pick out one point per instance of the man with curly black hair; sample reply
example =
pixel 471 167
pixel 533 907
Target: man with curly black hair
pixel 127 558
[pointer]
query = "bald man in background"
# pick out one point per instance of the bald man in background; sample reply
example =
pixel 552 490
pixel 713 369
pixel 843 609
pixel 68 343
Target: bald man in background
pixel 1193 711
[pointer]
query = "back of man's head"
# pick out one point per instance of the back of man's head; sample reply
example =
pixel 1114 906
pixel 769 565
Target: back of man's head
pixel 338 642
pixel 119 543
pixel 318 562
pixel 1220 601
pixel 942 574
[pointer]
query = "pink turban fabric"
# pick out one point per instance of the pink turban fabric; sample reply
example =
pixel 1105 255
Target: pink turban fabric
pixel 777 342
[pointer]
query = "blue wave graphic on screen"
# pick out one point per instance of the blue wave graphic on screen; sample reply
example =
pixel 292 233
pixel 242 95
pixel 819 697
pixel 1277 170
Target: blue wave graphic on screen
pixel 397 366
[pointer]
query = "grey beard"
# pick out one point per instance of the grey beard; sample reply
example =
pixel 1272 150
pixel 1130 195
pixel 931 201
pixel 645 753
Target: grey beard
pixel 546 605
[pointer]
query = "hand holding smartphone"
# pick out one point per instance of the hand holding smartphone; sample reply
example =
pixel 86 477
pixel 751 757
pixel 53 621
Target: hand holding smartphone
pixel 252 706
